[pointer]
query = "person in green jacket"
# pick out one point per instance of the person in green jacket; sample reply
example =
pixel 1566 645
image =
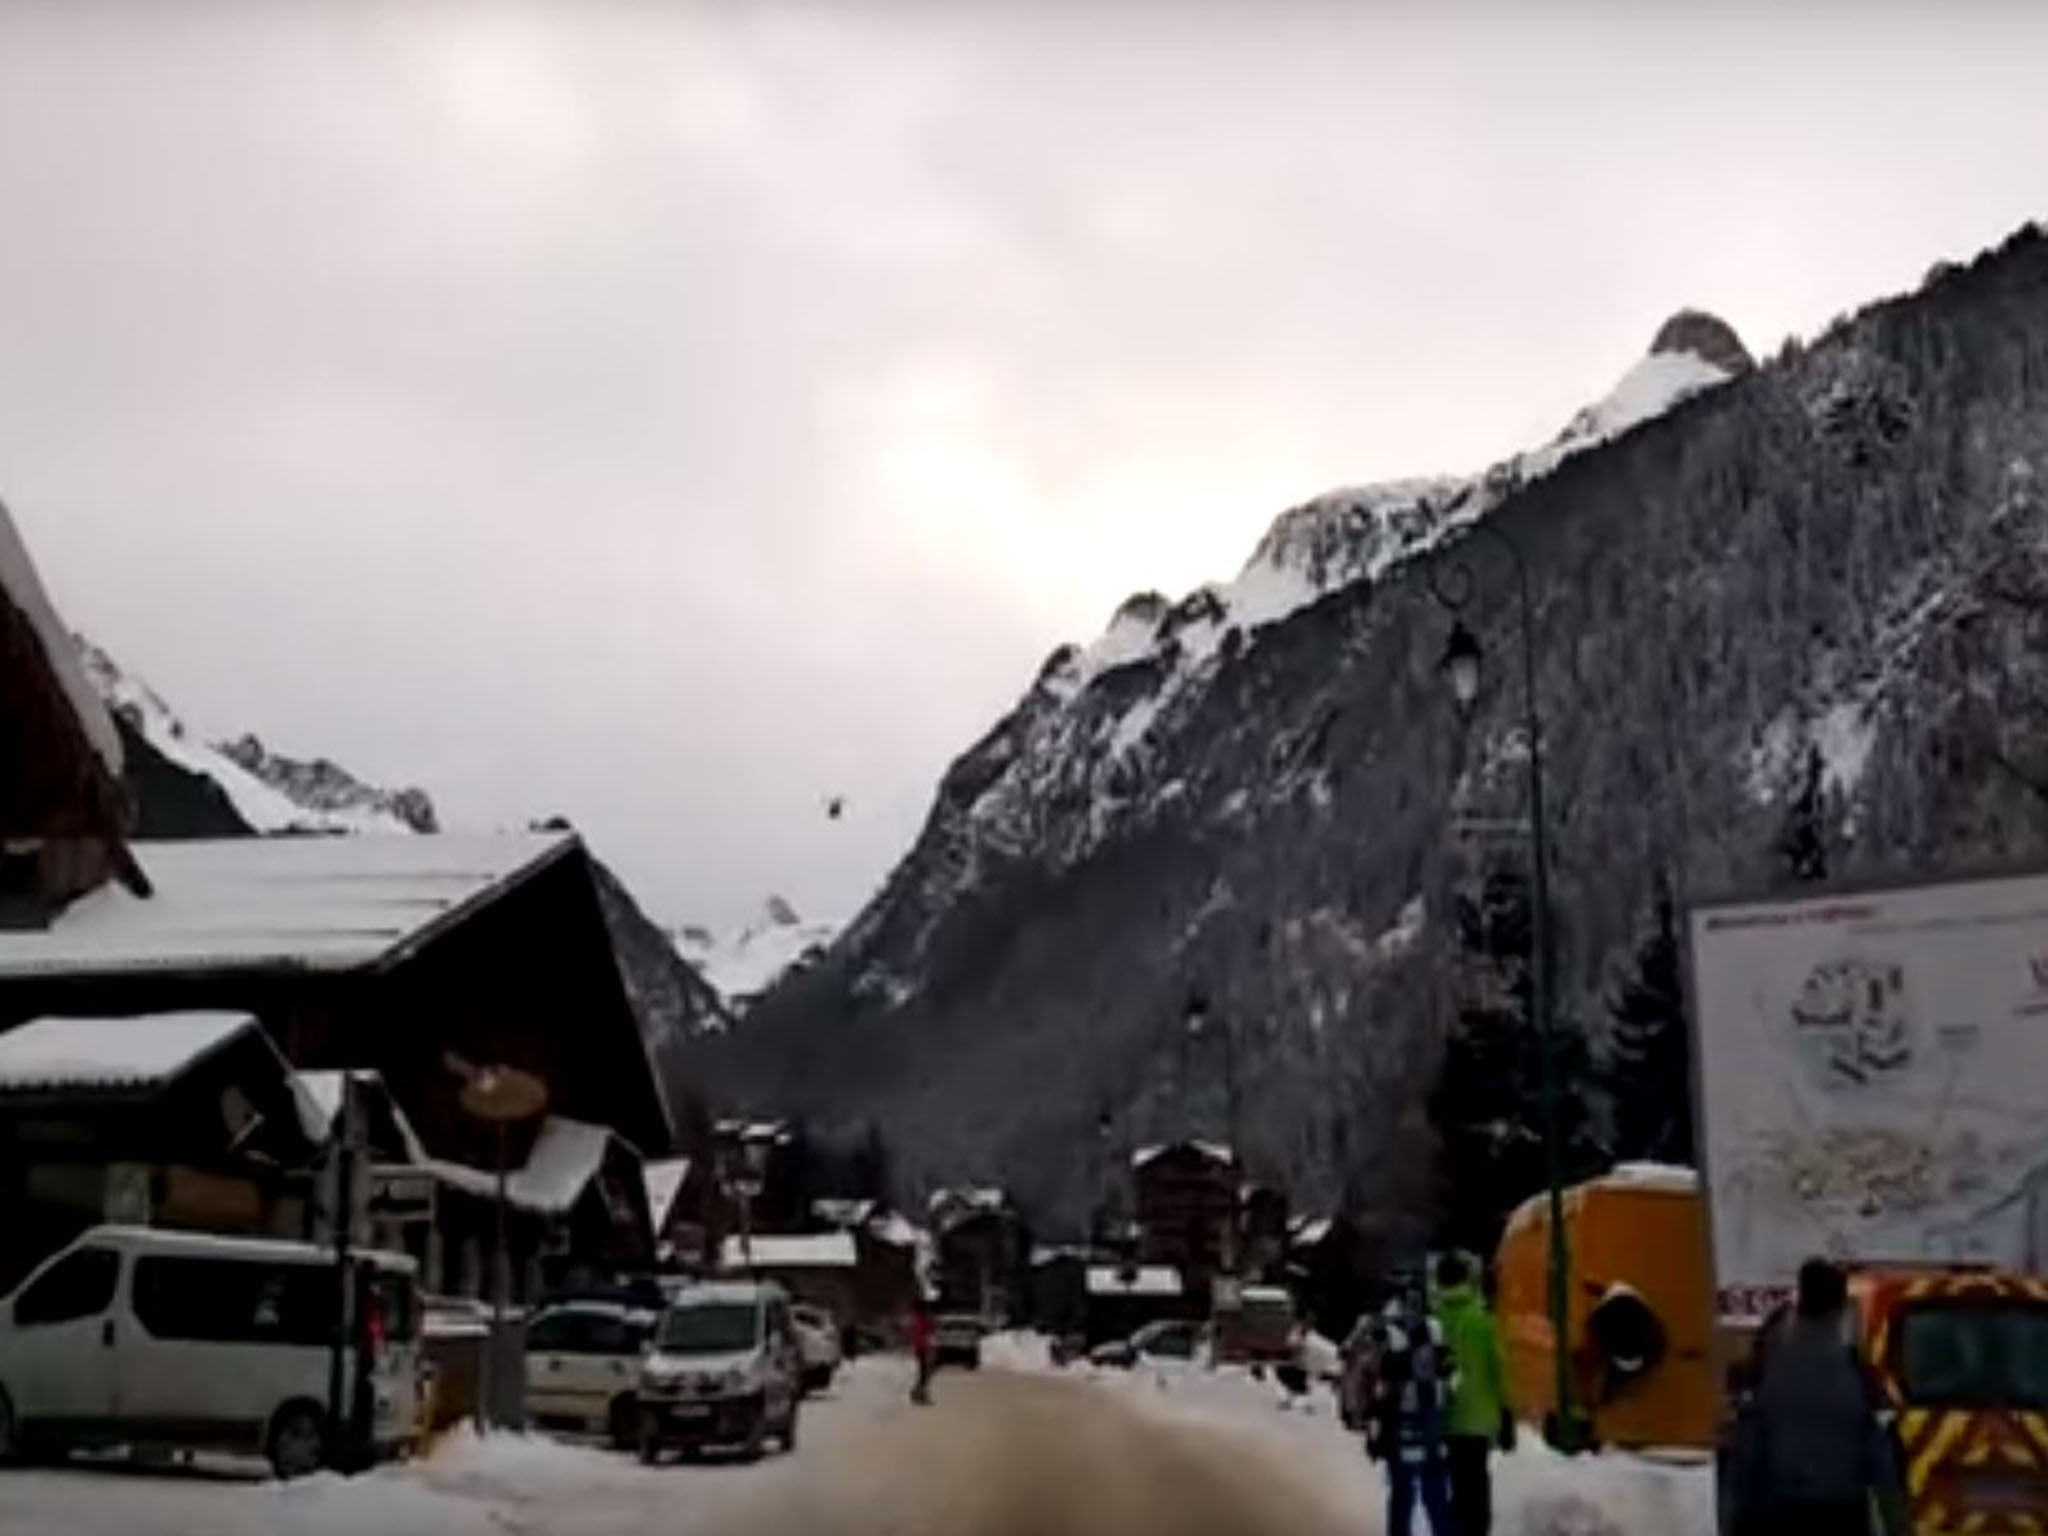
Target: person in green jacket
pixel 1479 1416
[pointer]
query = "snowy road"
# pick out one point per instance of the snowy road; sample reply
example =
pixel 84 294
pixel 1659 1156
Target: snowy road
pixel 998 1455
pixel 1002 1453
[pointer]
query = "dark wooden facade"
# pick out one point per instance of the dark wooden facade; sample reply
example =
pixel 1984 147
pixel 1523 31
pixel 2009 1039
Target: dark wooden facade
pixel 525 978
pixel 1187 1200
pixel 164 1154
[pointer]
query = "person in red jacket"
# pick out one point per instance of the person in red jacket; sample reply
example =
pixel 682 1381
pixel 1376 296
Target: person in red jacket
pixel 924 1344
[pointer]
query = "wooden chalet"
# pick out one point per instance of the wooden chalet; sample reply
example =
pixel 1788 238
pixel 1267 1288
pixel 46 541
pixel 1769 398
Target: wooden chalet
pixel 1187 1199
pixel 181 1120
pixel 421 958
pixel 62 815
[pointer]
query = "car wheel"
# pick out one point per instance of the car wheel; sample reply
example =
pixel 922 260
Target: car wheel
pixel 974 1362
pixel 622 1421
pixel 10 1430
pixel 298 1441
pixel 650 1440
pixel 756 1443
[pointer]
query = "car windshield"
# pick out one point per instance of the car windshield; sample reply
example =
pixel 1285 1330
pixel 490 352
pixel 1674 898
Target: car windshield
pixel 1973 1354
pixel 707 1328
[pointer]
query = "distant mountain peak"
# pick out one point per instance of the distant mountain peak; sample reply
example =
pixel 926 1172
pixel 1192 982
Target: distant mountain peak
pixel 264 791
pixel 1705 336
pixel 322 785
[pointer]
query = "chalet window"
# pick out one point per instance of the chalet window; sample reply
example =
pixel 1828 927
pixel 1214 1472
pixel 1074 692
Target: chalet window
pixel 81 1285
pixel 234 1301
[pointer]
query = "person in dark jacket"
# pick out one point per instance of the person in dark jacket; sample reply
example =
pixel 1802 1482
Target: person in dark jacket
pixel 1820 1460
pixel 1405 1398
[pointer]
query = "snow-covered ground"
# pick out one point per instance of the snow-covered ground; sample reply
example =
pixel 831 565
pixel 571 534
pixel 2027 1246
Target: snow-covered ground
pixel 869 1462
pixel 1536 1491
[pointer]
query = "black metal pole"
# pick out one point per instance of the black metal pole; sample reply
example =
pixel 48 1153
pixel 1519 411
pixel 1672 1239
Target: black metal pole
pixel 1541 1004
pixel 344 1205
pixel 1542 964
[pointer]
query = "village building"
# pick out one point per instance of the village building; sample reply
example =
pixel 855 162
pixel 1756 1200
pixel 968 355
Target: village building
pixel 981 1249
pixel 1188 1209
pixel 188 1120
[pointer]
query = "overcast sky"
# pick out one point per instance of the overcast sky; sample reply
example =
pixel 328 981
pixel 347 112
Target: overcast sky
pixel 672 416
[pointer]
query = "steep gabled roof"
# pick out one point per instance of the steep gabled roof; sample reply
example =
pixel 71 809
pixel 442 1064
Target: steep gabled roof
pixel 281 904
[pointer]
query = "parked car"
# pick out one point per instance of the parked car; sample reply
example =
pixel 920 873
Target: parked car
pixel 1164 1340
pixel 817 1341
pixel 725 1370
pixel 583 1365
pixel 156 1339
pixel 957 1339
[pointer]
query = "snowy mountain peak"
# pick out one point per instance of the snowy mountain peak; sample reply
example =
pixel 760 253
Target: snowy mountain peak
pixel 1707 337
pixel 325 788
pixel 270 793
pixel 744 964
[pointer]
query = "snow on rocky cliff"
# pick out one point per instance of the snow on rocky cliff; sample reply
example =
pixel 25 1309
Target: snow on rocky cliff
pixel 1090 714
pixel 271 793
pixel 743 964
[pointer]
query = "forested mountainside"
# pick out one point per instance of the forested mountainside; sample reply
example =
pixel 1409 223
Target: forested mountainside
pixel 1792 626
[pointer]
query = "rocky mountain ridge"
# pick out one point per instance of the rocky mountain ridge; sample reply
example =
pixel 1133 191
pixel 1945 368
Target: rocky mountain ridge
pixel 1753 588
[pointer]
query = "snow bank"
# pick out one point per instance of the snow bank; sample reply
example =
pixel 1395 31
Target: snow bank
pixel 1536 1491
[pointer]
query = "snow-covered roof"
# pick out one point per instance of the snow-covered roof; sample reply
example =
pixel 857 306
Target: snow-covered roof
pixel 319 1095
pixel 811 1250
pixel 1307 1231
pixel 20 585
pixel 566 1156
pixel 282 903
pixel 137 1052
pixel 1673 1178
pixel 1215 1151
pixel 776 1131
pixel 664 1179
pixel 895 1229
pixel 842 1213
pixel 1053 1253
pixel 1146 1280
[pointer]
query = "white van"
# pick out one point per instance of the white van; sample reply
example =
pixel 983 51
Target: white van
pixel 725 1370
pixel 134 1336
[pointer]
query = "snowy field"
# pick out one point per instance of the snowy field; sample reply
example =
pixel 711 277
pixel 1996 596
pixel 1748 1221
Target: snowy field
pixel 1536 1491
pixel 865 1465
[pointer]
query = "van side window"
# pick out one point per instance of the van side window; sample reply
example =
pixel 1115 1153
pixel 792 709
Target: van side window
pixel 81 1285
pixel 234 1300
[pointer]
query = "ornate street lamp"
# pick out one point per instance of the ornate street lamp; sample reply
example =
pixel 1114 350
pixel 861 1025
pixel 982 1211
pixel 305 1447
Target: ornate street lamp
pixel 1461 668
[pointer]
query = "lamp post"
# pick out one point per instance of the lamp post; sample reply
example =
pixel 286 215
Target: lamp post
pixel 1461 667
pixel 500 1097
pixel 746 1175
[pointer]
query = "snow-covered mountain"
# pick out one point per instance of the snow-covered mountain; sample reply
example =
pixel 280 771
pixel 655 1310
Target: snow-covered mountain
pixel 1762 595
pixel 183 786
pixel 269 792
pixel 1076 741
pixel 746 962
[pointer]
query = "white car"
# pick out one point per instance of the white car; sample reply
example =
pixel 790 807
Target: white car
pixel 817 1342
pixel 583 1365
pixel 724 1371
pixel 133 1336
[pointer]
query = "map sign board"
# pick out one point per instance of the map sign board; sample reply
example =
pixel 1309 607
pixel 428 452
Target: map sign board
pixel 1873 1080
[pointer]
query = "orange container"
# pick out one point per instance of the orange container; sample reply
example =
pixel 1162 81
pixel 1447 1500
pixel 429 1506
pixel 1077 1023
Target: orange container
pixel 1641 1309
